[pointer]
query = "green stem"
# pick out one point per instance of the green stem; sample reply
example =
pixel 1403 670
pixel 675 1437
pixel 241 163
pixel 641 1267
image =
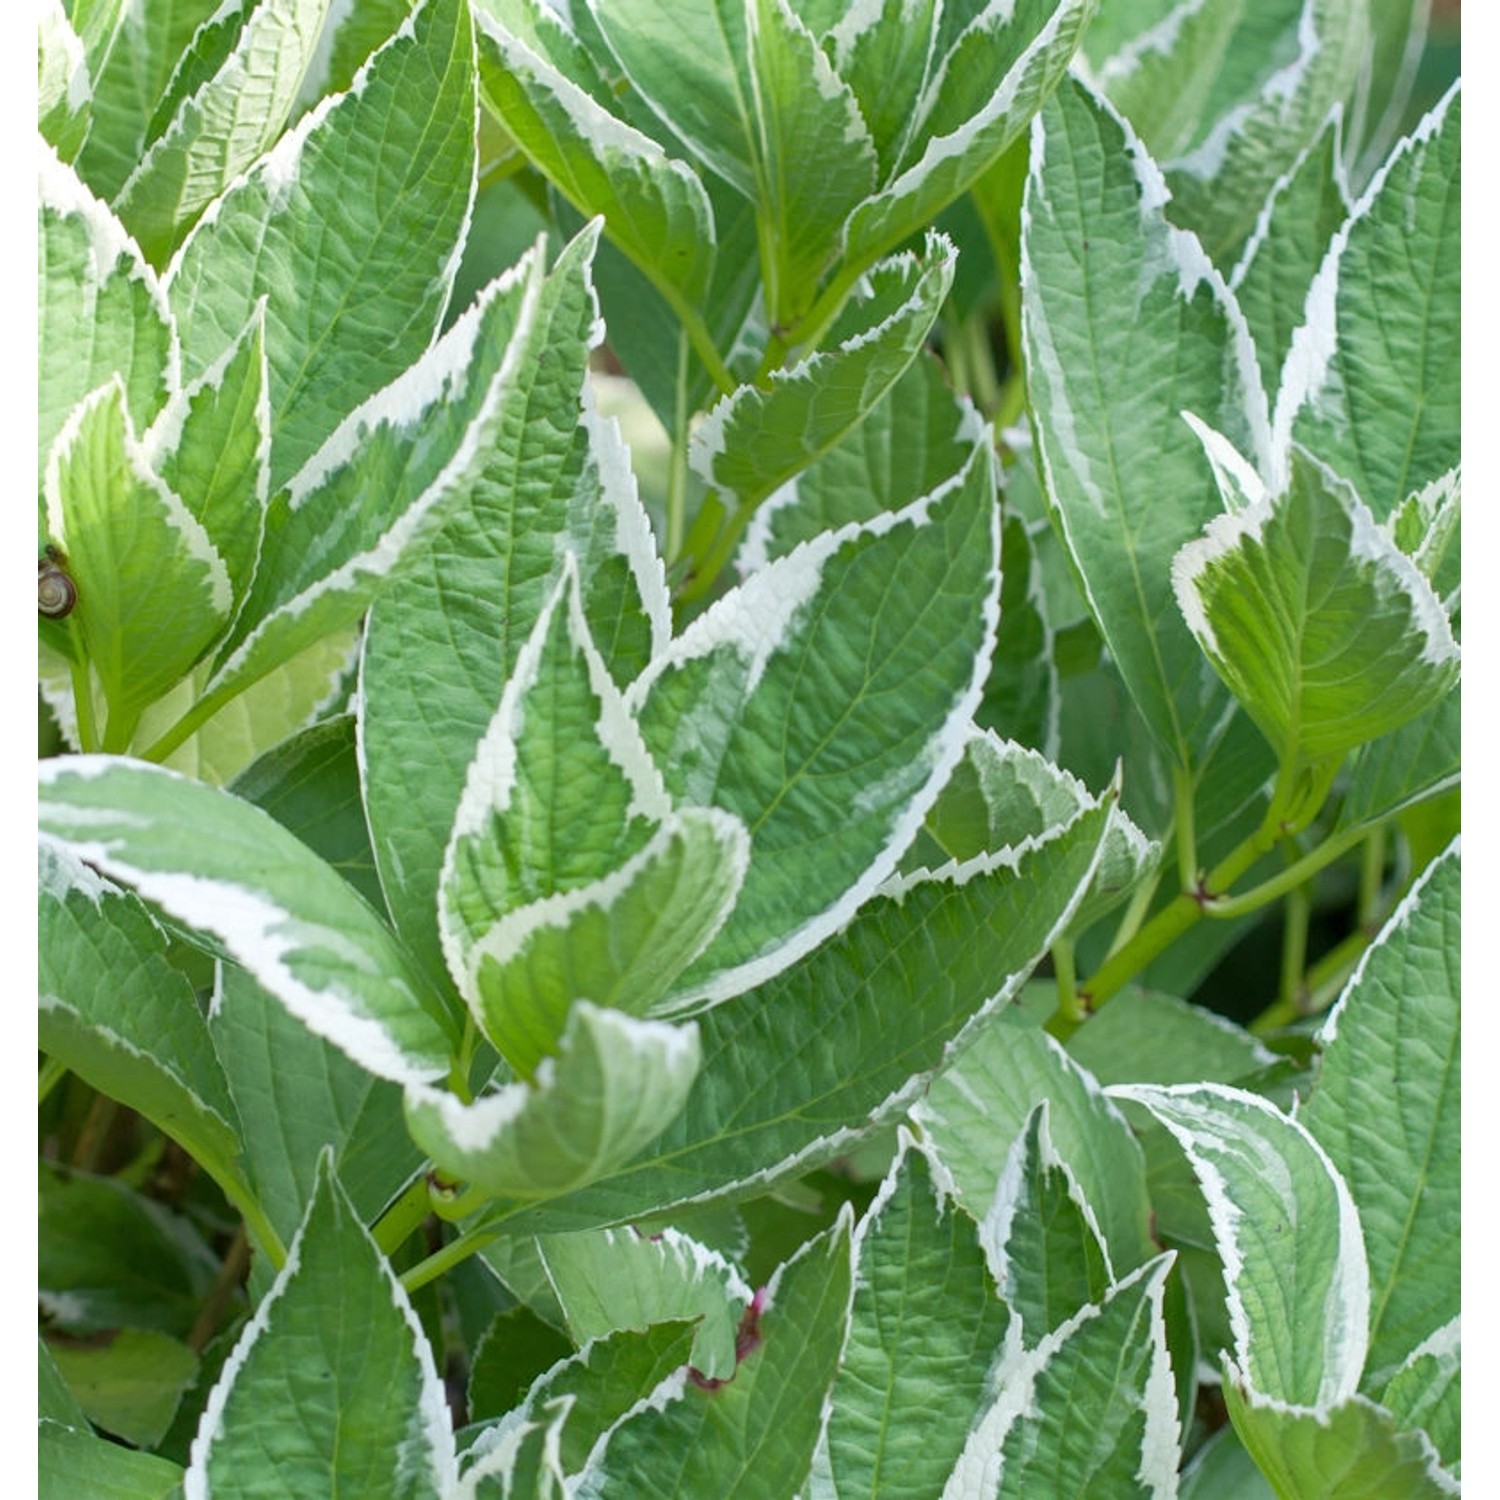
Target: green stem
pixel 1066 968
pixel 118 731
pixel 1135 912
pixel 677 468
pixel 248 1206
pixel 231 1274
pixel 1229 907
pixel 51 1074
pixel 1185 827
pixel 83 703
pixel 189 724
pixel 454 1252
pixel 983 379
pixel 1294 946
pixel 1371 879
pixel 403 1217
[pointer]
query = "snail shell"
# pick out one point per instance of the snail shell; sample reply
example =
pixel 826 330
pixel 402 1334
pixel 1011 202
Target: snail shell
pixel 56 593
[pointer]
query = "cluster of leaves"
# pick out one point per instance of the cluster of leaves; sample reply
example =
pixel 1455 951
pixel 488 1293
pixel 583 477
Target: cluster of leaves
pixel 530 909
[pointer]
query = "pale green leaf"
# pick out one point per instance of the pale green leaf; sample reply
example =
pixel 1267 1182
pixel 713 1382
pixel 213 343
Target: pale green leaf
pixel 1350 1451
pixel 1419 760
pixel 1321 627
pixel 612 1087
pixel 1371 384
pixel 925 1329
pixel 153 591
pixel 693 68
pixel 884 53
pixel 368 199
pixel 1089 1411
pixel 1305 209
pixel 654 207
pixel 1426 1392
pixel 381 486
pixel 232 872
pixel 100 309
pixel 979 1106
pixel 64 89
pixel 815 161
pixel 755 440
pixel 72 1463
pixel 996 79
pixel 297 1095
pixel 116 1013
pixel 1050 1257
pixel 1126 324
pixel 211 445
pixel 130 1385
pixel 1386 1109
pixel 350 35
pixel 1386 87
pixel 753 1437
pixel 823 703
pixel 1288 1234
pixel 797 1069
pixel 332 1387
pixel 611 1279
pixel 55 1402
pixel 138 49
pixel 442 642
pixel 222 126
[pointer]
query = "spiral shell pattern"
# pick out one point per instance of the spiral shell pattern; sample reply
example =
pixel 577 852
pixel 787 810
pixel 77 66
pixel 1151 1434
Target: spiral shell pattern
pixel 56 593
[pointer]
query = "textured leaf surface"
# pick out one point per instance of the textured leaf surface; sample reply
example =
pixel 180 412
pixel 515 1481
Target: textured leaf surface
pixel 114 1011
pixel 1386 1108
pixel 925 1329
pixel 64 88
pixel 131 1384
pixel 1288 1235
pixel 73 1463
pixel 1427 1392
pixel 752 1438
pixel 614 1279
pixel 332 1386
pixel 612 1087
pixel 231 871
pixel 1126 325
pixel 797 1068
pixel 368 198
pixel 979 1107
pixel 1372 381
pixel 821 703
pixel 1321 627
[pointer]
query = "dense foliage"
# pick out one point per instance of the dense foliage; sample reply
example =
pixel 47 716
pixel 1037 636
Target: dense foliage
pixel 693 655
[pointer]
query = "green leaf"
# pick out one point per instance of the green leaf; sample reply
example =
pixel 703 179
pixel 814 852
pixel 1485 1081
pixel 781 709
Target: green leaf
pixel 332 1386
pixel 114 1011
pixel 1022 698
pixel 64 87
pixel 100 309
pixel 884 54
pixel 131 60
pixel 1320 626
pixel 131 1385
pixel 1426 1392
pixel 72 1463
pixel 754 1436
pixel 814 159
pixel 349 37
pixel 298 1094
pixel 1126 324
pixel 925 1330
pixel 55 1402
pixel 1350 1451
pixel 980 1105
pixel 381 486
pixel 694 72
pixel 568 874
pixel 220 127
pixel 1142 1036
pixel 443 640
pixel 211 445
pixel 611 1279
pixel 995 79
pixel 612 1087
pixel 369 196
pixel 1295 1271
pixel 654 207
pixel 1050 1256
pixel 1386 1109
pixel 755 440
pixel 517 1348
pixel 823 703
pixel 797 1069
pixel 153 591
pixel 1371 384
pixel 1305 209
pixel 232 872
pixel 1090 1410
pixel 1386 86
pixel 110 1258
pixel 310 784
pixel 1222 1470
